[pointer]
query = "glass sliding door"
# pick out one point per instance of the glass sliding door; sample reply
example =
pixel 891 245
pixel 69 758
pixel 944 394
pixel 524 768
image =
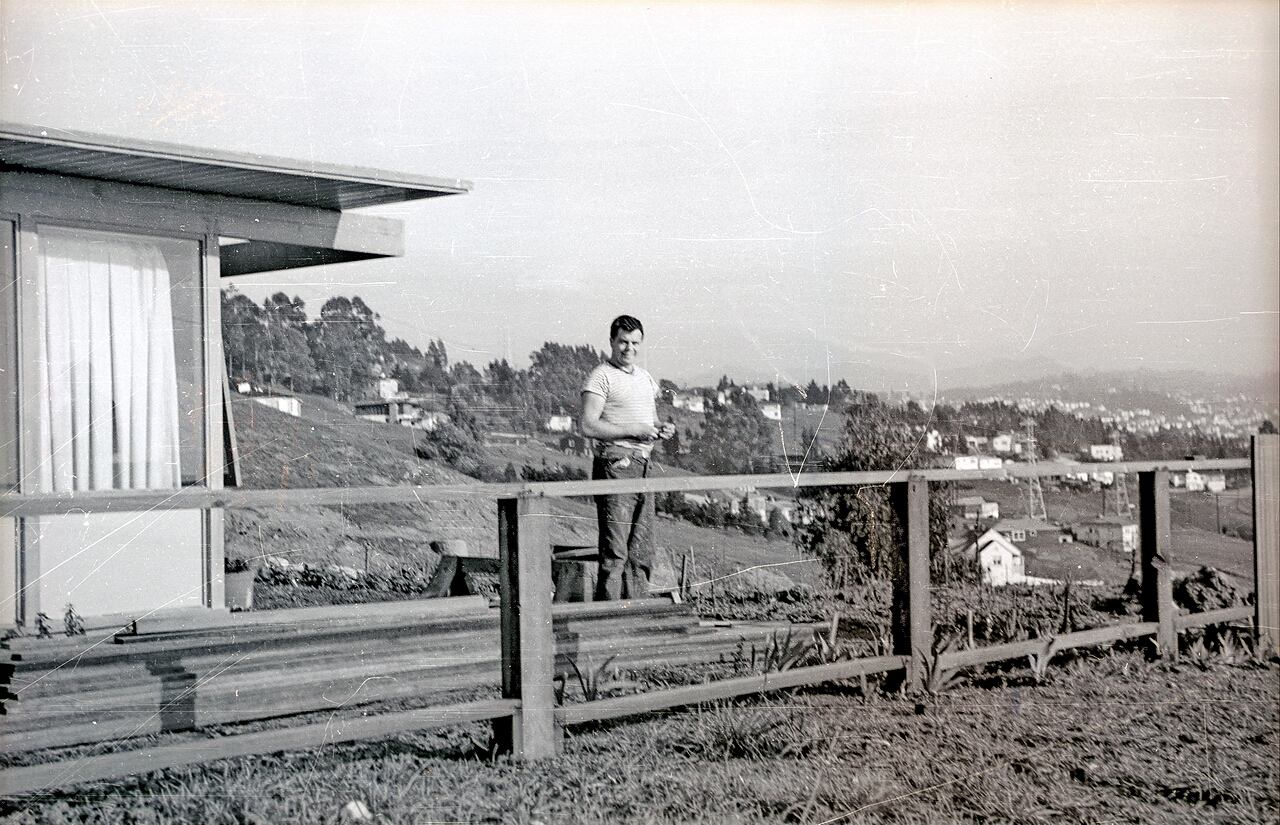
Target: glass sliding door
pixel 118 366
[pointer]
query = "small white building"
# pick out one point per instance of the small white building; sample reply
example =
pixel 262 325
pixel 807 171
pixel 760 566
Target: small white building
pixel 1003 443
pixel 1001 562
pixel 760 394
pixel 429 420
pixel 976 507
pixel 975 443
pixel 284 403
pixel 1206 482
pixel 560 424
pixel 1106 452
pixel 692 403
pixel 771 411
pixel 388 388
pixel 1109 531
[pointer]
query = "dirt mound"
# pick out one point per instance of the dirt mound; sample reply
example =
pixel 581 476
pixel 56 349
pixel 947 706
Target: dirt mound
pixel 1209 589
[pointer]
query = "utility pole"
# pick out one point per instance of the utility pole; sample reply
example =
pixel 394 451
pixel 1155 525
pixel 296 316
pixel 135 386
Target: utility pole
pixel 1035 495
pixel 1119 489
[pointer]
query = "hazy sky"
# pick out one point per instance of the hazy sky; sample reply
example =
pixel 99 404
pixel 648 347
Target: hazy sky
pixel 780 191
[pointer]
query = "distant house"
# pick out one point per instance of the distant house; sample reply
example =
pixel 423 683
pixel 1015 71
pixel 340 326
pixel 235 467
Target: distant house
pixel 692 403
pixel 559 424
pixel 388 388
pixel 971 508
pixel 978 462
pixel 1109 531
pixel 760 394
pixel 429 420
pixel 575 445
pixel 1021 529
pixel 1201 482
pixel 975 443
pixel 758 503
pixel 284 403
pixel 1106 452
pixel 772 411
pixel 696 499
pixel 1002 563
pixel 1002 443
pixel 387 412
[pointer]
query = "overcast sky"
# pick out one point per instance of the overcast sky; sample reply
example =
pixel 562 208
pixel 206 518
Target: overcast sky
pixel 780 191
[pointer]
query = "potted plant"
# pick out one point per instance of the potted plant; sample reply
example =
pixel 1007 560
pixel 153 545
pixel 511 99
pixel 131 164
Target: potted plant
pixel 238 575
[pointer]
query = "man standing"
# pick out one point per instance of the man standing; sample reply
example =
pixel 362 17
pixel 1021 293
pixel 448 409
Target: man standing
pixel 618 411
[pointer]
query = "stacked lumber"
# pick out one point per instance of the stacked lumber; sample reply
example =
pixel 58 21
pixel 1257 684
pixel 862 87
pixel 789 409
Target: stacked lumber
pixel 254 666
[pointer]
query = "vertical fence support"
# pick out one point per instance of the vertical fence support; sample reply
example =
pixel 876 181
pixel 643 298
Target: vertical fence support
pixel 912 623
pixel 1157 559
pixel 1266 540
pixel 528 641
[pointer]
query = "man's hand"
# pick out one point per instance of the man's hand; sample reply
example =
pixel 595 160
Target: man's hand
pixel 645 432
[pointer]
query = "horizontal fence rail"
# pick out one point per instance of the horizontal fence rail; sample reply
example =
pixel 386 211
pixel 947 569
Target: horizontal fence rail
pixel 527 722
pixel 17 505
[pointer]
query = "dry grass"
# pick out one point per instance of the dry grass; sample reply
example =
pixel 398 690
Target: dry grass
pixel 1109 738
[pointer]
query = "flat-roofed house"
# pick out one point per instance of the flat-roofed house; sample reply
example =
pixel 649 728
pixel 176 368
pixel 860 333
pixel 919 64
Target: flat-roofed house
pixel 1113 532
pixel 112 254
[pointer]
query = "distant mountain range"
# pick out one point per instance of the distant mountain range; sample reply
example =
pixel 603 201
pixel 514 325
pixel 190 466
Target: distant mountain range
pixel 1044 378
pixel 1136 387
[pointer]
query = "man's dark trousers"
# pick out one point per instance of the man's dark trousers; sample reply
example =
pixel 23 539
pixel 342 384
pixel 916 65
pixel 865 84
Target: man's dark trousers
pixel 626 528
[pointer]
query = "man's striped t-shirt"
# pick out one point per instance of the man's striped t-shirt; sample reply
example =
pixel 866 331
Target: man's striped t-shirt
pixel 628 399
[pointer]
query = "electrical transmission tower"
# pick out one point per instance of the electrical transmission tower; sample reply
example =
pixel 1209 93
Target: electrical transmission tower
pixel 1035 495
pixel 1119 489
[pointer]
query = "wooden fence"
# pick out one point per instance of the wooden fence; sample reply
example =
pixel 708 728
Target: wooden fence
pixel 526 721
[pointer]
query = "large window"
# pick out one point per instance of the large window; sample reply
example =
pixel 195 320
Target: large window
pixel 113 355
pixel 118 361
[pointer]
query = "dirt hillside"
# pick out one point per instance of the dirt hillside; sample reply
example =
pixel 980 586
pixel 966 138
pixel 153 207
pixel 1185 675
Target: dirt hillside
pixel 328 447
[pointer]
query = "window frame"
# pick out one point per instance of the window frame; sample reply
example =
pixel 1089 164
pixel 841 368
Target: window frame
pixel 70 203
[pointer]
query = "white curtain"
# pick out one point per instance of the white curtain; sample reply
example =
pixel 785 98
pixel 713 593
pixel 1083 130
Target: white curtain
pixel 109 401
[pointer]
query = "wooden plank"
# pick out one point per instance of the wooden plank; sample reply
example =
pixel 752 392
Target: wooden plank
pixel 37 778
pixel 1017 650
pixel 34 504
pixel 725 689
pixel 1157 558
pixel 504 733
pixel 910 614
pixel 538 736
pixel 1208 617
pixel 406 611
pixel 1266 539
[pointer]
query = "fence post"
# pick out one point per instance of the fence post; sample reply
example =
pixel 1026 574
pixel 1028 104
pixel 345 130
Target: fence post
pixel 528 641
pixel 1266 540
pixel 1157 559
pixel 912 623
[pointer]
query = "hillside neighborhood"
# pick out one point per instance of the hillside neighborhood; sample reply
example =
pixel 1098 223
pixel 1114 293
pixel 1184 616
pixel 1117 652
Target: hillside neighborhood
pixel 466 416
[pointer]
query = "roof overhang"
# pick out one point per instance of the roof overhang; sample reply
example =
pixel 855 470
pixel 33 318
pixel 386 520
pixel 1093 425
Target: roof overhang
pixel 314 196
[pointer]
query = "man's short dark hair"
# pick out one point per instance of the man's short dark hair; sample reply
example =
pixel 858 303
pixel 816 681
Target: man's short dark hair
pixel 625 323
